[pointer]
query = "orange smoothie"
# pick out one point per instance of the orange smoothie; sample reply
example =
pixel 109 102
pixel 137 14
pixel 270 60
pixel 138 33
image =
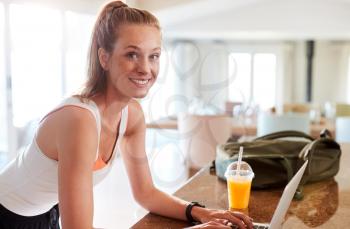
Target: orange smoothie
pixel 238 192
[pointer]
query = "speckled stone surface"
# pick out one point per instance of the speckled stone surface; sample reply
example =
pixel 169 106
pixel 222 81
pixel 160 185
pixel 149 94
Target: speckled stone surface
pixel 326 204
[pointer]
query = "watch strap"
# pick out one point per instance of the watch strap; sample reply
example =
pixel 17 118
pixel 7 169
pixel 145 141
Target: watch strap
pixel 189 210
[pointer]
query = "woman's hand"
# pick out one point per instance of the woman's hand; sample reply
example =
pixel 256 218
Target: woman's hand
pixel 205 215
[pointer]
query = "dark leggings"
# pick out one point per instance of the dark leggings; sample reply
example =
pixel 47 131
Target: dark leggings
pixel 11 220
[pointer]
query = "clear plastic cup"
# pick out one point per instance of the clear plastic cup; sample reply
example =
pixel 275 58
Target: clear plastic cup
pixel 239 185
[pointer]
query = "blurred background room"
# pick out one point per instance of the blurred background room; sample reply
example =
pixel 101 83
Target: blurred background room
pixel 229 68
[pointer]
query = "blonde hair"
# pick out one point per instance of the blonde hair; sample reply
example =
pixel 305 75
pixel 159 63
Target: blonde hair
pixel 104 35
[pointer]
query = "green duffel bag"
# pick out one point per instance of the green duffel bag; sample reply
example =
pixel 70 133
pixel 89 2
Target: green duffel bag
pixel 276 157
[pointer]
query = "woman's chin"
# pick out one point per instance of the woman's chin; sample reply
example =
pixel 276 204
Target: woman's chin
pixel 140 95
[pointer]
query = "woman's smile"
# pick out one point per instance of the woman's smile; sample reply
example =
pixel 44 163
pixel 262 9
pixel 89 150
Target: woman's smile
pixel 141 83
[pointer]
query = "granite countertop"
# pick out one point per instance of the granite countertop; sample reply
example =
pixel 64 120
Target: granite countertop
pixel 326 204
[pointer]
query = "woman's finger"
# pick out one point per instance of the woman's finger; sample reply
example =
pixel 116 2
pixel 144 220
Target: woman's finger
pixel 240 215
pixel 235 220
pixel 222 221
pixel 246 219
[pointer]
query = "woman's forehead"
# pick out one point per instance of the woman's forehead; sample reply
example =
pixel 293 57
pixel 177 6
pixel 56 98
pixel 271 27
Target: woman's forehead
pixel 139 36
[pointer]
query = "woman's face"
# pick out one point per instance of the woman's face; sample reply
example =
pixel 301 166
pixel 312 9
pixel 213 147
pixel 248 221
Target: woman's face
pixel 133 65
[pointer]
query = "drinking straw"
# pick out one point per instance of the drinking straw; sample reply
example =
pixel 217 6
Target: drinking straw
pixel 240 154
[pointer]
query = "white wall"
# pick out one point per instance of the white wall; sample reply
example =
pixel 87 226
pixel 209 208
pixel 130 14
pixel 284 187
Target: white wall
pixel 298 76
pixel 213 75
pixel 330 71
pixel 201 69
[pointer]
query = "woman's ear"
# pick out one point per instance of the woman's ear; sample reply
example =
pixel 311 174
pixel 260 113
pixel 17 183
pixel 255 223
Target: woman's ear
pixel 103 57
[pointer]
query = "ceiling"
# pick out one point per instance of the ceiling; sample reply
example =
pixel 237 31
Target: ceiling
pixel 252 19
pixel 236 19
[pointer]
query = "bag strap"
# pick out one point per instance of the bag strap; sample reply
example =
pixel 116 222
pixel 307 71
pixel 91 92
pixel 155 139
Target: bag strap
pixel 307 154
pixel 325 133
pixel 308 151
pixel 285 134
pixel 287 165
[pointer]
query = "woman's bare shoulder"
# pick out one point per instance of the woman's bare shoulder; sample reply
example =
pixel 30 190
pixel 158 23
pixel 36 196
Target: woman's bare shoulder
pixel 135 107
pixel 69 123
pixel 69 115
pixel 136 119
pixel 76 134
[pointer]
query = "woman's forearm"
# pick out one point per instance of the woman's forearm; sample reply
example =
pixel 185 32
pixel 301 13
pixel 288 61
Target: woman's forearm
pixel 163 204
pixel 167 205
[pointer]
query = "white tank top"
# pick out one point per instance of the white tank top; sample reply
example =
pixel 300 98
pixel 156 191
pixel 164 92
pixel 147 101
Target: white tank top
pixel 29 183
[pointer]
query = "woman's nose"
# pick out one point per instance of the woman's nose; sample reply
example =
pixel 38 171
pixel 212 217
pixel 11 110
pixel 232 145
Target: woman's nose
pixel 144 66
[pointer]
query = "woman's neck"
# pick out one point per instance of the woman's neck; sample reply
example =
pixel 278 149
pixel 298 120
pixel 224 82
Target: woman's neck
pixel 110 105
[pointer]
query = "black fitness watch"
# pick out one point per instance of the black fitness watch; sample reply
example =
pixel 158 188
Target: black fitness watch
pixel 189 209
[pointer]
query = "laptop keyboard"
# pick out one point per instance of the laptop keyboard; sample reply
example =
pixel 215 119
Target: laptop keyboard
pixel 260 227
pixel 254 227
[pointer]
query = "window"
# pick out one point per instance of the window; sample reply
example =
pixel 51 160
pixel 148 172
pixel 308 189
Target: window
pixel 36 35
pixel 264 79
pixel 240 77
pixel 46 61
pixel 253 78
pixel 3 101
pixel 79 29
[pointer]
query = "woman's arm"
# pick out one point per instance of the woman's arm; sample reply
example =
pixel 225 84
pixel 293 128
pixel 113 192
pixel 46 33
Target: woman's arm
pixel 156 201
pixel 76 143
pixel 136 163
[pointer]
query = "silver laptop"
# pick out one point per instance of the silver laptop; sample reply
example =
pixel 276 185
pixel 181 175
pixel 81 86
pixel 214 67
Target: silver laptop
pixel 283 204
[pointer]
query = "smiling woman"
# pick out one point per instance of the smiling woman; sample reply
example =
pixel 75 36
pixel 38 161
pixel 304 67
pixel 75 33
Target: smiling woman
pixel 76 144
pixel 131 52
